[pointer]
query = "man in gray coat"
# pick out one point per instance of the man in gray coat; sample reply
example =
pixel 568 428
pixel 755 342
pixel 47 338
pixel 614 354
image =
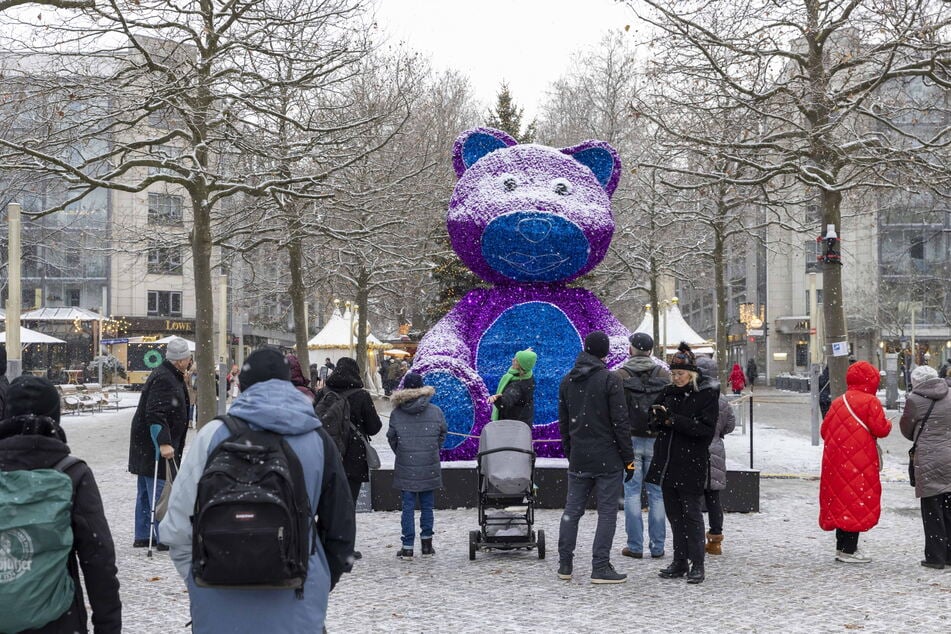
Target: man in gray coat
pixel 417 431
pixel 716 478
pixel 929 399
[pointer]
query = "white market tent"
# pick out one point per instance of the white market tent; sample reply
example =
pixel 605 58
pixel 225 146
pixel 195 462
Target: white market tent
pixel 673 329
pixel 31 336
pixel 65 313
pixel 335 340
pixel 165 340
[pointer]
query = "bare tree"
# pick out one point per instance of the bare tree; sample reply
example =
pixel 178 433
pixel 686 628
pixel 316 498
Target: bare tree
pixel 194 75
pixel 819 76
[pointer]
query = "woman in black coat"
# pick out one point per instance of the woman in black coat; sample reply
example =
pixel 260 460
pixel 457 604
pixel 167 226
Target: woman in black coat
pixel 514 398
pixel 31 438
pixel 346 376
pixel 686 417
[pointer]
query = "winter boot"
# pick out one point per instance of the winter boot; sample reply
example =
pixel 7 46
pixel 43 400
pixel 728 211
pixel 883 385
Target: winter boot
pixel 696 574
pixel 677 569
pixel 607 574
pixel 713 544
pixel 405 553
pixel 428 546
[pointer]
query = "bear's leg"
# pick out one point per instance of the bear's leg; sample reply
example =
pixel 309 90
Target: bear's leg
pixel 461 395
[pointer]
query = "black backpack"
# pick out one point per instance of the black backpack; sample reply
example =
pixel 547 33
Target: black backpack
pixel 253 526
pixel 333 410
pixel 641 390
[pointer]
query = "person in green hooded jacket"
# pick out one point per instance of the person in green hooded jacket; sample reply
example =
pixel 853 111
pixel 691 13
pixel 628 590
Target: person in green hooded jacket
pixel 515 397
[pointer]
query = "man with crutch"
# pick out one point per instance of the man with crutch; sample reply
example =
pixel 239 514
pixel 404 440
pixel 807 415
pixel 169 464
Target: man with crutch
pixel 164 404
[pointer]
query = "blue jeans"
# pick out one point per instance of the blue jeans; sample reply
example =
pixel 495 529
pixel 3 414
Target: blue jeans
pixel 427 500
pixel 633 519
pixel 143 507
pixel 607 488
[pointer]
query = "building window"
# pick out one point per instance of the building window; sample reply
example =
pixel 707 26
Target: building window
pixel 165 209
pixel 73 297
pixel 812 249
pixel 161 153
pixel 165 304
pixel 802 354
pixel 165 260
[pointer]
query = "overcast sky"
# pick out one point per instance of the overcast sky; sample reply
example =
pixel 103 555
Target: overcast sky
pixel 528 43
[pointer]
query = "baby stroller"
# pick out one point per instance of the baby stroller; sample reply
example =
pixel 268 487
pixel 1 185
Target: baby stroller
pixel 505 469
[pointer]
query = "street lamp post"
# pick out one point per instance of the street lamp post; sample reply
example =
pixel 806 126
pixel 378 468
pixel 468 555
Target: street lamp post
pixel 14 292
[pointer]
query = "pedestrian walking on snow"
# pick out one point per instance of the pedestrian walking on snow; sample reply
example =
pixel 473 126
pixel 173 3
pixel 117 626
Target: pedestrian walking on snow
pixel 268 402
pixel 163 402
pixel 592 420
pixel 737 379
pixel 716 478
pixel 686 418
pixel 31 440
pixel 926 420
pixel 644 380
pixel 417 430
pixel 850 490
pixel 514 399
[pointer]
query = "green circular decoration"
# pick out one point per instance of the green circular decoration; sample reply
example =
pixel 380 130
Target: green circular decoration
pixel 152 359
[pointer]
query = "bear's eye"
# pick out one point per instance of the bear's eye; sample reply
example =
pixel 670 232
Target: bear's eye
pixel 509 183
pixel 562 187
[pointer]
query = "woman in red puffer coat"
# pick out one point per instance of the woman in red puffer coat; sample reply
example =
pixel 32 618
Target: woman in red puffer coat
pixel 737 379
pixel 850 491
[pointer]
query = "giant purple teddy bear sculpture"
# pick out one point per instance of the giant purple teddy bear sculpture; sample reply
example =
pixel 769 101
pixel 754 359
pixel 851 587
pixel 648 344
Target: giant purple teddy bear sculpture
pixel 527 219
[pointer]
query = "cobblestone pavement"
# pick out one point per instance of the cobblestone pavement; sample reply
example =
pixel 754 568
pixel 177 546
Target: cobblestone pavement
pixel 777 572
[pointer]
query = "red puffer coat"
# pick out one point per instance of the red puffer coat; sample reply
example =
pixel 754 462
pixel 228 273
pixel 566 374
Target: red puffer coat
pixel 850 491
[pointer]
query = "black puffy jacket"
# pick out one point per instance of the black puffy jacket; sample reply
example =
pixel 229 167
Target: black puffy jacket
pixel 363 415
pixel 681 451
pixel 93 551
pixel 164 401
pixel 592 418
pixel 517 401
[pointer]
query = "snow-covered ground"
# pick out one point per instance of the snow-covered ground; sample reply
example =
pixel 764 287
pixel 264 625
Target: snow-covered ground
pixel 777 572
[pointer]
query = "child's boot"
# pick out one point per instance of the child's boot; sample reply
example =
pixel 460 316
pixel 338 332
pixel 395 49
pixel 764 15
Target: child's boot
pixel 714 544
pixel 428 546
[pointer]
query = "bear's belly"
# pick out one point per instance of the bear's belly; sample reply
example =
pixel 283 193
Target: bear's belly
pixel 544 328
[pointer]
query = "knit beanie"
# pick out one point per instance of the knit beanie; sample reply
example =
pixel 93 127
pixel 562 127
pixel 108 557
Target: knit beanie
pixel 30 394
pixel 263 364
pixel 177 349
pixel 921 374
pixel 413 381
pixel 641 341
pixel 598 344
pixel 684 359
pixel 526 360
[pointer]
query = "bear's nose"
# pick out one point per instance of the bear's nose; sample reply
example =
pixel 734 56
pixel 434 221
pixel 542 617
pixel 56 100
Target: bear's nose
pixel 534 229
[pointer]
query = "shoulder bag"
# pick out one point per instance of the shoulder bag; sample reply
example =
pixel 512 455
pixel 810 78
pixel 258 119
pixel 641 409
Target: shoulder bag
pixel 914 445
pixel 878 448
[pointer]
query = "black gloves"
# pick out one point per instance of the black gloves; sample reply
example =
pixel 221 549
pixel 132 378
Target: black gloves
pixel 629 471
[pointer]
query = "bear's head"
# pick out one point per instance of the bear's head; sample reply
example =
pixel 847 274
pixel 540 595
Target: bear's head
pixel 531 213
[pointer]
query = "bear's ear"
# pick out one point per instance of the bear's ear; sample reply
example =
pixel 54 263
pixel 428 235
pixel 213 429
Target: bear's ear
pixel 476 143
pixel 600 158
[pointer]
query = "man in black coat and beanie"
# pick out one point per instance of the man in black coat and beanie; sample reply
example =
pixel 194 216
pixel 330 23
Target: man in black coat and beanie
pixel 592 419
pixel 164 402
pixel 345 379
pixel 31 438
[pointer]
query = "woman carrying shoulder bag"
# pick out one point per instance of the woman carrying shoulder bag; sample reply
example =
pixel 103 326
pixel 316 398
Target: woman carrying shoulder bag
pixel 927 422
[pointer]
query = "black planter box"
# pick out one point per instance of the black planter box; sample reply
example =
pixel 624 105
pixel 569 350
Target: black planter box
pixel 460 490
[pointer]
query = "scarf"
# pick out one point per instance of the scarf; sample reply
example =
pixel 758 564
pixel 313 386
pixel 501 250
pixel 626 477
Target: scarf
pixel 526 361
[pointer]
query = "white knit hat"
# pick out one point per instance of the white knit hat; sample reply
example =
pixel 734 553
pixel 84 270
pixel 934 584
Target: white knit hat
pixel 921 374
pixel 177 349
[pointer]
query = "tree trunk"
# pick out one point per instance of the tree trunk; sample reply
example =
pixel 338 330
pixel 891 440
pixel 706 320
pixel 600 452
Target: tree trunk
pixel 722 329
pixel 204 312
pixel 658 346
pixel 832 304
pixel 297 292
pixel 363 298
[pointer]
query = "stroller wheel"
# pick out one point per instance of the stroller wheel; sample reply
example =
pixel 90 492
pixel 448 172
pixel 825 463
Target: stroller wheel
pixel 473 544
pixel 540 544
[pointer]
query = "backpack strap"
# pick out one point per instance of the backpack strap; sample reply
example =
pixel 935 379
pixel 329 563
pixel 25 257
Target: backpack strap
pixel 235 425
pixel 65 463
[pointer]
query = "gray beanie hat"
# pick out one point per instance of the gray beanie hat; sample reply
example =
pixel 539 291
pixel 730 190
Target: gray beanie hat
pixel 921 374
pixel 177 349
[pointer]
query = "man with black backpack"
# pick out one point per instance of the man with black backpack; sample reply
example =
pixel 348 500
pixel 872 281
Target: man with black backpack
pixel 241 519
pixel 644 379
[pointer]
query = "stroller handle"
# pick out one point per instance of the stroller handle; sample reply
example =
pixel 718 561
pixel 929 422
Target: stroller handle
pixel 499 449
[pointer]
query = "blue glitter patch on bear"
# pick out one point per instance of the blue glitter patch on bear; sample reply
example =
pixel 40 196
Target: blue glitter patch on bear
pixel 546 330
pixel 534 246
pixel 452 397
pixel 599 161
pixel 478 145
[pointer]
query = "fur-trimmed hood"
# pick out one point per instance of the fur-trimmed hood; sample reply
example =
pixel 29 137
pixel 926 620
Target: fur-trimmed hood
pixel 414 400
